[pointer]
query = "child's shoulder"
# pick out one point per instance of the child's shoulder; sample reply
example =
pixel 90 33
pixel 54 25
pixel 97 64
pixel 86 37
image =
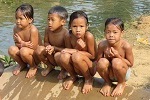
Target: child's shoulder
pixel 34 28
pixel 126 44
pixel 102 43
pixel 89 35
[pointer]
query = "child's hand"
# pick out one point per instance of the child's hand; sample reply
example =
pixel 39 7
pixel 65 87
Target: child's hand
pixel 70 51
pixel 80 44
pixel 27 44
pixel 49 49
pixel 17 38
pixel 114 53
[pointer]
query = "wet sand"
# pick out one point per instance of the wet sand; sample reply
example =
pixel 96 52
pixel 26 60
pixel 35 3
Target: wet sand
pixel 50 88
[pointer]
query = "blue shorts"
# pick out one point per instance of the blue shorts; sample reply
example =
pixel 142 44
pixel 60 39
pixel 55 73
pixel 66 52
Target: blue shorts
pixel 114 79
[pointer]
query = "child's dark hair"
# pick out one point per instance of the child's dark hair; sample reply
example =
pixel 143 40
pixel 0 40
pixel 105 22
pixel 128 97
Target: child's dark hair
pixel 115 21
pixel 61 11
pixel 1 68
pixel 27 10
pixel 77 14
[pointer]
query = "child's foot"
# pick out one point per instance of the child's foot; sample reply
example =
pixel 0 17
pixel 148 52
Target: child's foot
pixel 67 84
pixel 46 71
pixel 106 89
pixel 62 75
pixel 31 72
pixel 87 86
pixel 17 70
pixel 118 90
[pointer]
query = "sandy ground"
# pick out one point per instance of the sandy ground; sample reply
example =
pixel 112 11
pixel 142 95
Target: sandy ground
pixel 49 88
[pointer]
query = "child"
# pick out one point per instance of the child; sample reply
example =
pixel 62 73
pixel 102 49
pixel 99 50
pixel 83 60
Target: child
pixel 1 68
pixel 115 57
pixel 26 38
pixel 54 39
pixel 80 52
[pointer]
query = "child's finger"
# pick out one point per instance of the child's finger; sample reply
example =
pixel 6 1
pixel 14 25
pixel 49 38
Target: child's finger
pixel 111 52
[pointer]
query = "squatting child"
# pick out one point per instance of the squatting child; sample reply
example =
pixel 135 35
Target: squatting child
pixel 115 58
pixel 54 39
pixel 26 38
pixel 80 52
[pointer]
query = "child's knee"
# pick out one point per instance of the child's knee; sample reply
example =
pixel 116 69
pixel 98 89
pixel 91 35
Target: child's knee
pixel 102 64
pixel 39 50
pixel 116 63
pixel 12 49
pixel 65 57
pixel 76 57
pixel 24 52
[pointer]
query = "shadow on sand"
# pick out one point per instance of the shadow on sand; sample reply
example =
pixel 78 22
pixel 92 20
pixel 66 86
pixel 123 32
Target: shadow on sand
pixel 50 88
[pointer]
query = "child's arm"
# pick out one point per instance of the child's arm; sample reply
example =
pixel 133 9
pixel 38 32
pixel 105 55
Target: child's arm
pixel 34 37
pixel 46 38
pixel 100 50
pixel 68 45
pixel 90 53
pixel 128 55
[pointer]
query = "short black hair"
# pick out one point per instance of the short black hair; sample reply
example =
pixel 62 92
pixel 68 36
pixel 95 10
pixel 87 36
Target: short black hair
pixel 61 11
pixel 27 10
pixel 115 21
pixel 77 14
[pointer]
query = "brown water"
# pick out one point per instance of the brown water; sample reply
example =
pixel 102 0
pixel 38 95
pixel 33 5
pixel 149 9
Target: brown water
pixel 97 10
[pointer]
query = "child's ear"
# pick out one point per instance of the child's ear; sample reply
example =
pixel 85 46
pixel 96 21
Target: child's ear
pixel 30 20
pixel 87 26
pixel 63 22
pixel 122 33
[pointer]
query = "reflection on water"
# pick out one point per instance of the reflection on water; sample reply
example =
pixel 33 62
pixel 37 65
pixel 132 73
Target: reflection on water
pixel 97 10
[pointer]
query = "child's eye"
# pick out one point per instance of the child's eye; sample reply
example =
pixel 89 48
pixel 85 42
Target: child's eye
pixel 107 32
pixel 115 32
pixel 74 26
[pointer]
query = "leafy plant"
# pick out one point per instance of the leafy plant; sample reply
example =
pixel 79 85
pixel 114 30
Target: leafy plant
pixel 7 60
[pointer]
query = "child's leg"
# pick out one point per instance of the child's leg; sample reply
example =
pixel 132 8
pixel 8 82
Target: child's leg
pixel 14 53
pixel 65 61
pixel 119 69
pixel 27 56
pixel 103 69
pixel 43 56
pixel 63 73
pixel 83 65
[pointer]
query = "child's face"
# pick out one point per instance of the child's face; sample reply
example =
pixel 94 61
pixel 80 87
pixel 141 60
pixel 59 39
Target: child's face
pixel 55 22
pixel 21 21
pixel 113 33
pixel 79 27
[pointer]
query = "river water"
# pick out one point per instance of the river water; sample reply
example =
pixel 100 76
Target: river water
pixel 97 10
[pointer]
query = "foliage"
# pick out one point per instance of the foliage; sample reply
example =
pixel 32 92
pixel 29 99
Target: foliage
pixel 7 60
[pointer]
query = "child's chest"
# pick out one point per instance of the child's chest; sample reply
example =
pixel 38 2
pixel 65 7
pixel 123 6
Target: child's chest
pixel 56 40
pixel 25 35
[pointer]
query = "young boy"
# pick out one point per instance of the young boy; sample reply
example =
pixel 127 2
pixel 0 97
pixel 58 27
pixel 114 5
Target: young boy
pixel 115 58
pixel 26 38
pixel 53 39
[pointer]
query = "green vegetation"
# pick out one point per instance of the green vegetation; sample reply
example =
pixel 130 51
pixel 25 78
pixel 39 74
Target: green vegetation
pixel 7 60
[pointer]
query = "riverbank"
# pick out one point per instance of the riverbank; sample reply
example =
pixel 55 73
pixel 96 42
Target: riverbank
pixel 38 87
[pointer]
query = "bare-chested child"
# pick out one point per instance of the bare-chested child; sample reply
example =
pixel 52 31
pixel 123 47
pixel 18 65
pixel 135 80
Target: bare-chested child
pixel 115 58
pixel 26 38
pixel 80 52
pixel 54 39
